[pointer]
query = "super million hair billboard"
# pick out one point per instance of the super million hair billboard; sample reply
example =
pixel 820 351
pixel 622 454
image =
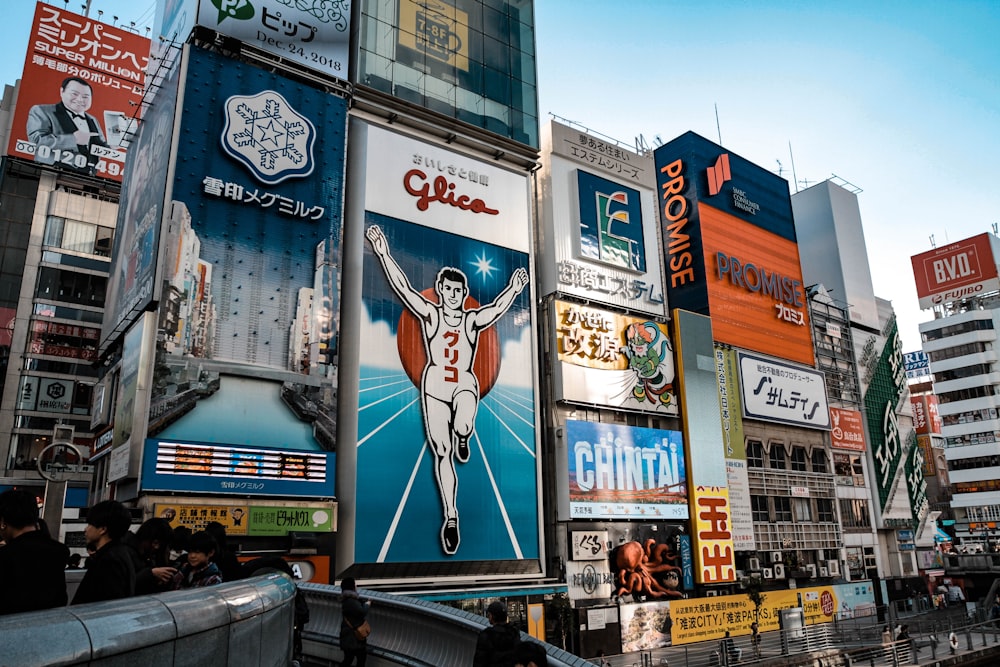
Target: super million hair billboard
pixel 447 458
pixel 80 92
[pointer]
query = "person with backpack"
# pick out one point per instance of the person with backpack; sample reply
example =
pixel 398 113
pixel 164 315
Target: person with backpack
pixel 354 627
pixel 496 643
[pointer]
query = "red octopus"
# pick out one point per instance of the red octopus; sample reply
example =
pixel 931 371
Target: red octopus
pixel 636 565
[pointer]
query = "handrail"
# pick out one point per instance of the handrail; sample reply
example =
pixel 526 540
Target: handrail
pixel 405 630
pixel 243 623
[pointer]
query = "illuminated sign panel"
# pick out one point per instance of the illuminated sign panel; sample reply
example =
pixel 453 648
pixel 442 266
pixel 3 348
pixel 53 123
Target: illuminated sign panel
pixel 730 247
pixel 847 430
pixel 613 360
pixel 621 472
pixel 785 393
pixel 82 83
pixel 958 270
pixel 446 330
pixel 599 238
pixel 714 552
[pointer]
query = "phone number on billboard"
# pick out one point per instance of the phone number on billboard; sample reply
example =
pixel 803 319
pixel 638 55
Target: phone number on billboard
pixel 68 158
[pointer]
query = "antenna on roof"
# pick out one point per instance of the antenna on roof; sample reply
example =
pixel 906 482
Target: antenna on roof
pixel 931 238
pixel 995 232
pixel 795 179
pixel 781 169
pixel 718 128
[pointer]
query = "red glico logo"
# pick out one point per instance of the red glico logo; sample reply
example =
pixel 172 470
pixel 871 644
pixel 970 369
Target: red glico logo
pixel 718 174
pixel 415 182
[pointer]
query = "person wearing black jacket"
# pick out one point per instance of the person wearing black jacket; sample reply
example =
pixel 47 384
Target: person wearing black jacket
pixel 32 564
pixel 496 643
pixel 148 549
pixel 353 615
pixel 110 572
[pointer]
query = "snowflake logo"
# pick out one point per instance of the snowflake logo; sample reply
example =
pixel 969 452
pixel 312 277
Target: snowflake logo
pixel 269 137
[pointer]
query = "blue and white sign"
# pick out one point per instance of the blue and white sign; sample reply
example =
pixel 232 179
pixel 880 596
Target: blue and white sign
pixel 269 136
pixel 917 364
pixel 782 392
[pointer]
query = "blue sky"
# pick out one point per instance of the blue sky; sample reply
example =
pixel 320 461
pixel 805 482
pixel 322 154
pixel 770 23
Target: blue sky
pixel 901 99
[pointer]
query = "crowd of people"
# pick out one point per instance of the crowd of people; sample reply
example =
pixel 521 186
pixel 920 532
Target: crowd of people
pixel 120 563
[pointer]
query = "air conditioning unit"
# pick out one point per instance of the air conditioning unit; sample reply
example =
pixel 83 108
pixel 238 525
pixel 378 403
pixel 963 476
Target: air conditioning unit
pixel 779 571
pixel 754 564
pixel 776 557
pixel 834 567
pixel 769 573
pixel 823 571
pixel 812 569
pixel 711 593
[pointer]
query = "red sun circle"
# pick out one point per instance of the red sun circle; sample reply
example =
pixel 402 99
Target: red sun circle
pixel 413 355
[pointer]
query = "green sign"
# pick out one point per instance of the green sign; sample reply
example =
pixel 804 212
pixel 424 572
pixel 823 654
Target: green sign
pixel 884 391
pixel 284 520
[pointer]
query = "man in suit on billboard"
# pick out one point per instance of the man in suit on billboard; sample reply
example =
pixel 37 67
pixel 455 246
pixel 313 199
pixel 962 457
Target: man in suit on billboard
pixel 449 389
pixel 64 132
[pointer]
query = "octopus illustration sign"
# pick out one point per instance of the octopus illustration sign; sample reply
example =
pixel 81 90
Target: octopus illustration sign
pixel 613 360
pixel 446 380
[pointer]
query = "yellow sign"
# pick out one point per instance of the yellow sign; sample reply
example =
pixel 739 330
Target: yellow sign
pixel 196 517
pixel 714 556
pixel 705 619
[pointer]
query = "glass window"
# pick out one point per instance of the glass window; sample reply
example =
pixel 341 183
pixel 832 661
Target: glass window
pixel 777 457
pixel 819 460
pixel 803 509
pixel 755 454
pixel 824 510
pixel 799 459
pixel 782 509
pixel 758 505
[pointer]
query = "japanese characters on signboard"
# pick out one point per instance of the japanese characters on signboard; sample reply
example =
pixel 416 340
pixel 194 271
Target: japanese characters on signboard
pixel 780 392
pixel 620 472
pixel 589 545
pixel 314 35
pixel 916 484
pixel 737 476
pixel 927 446
pixel 589 580
pixel 926 418
pixel 81 88
pixel 610 359
pixel 956 271
pixel 918 365
pixel 247 324
pixel 735 259
pixel 847 429
pixel 453 403
pixel 601 241
pixel 250 519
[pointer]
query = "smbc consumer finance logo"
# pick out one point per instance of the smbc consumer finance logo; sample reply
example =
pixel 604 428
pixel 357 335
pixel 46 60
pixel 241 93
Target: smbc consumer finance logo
pixel 268 136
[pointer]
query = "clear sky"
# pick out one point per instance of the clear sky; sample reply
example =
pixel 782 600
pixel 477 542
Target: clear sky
pixel 901 98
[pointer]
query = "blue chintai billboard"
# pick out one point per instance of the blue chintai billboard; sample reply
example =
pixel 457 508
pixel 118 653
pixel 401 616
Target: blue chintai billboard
pixel 246 350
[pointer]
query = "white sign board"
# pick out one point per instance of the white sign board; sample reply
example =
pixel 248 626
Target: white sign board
pixel 783 392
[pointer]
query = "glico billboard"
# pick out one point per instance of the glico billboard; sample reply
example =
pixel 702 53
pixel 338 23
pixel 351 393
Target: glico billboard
pixel 731 250
pixel 82 83
pixel 957 271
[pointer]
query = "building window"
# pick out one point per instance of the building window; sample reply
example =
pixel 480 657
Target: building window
pixel 799 459
pixel 758 505
pixel 819 461
pixel 755 454
pixel 824 510
pixel 777 457
pixel 782 509
pixel 854 514
pixel 76 236
pixel 803 510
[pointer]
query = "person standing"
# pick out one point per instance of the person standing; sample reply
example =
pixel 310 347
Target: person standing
pixel 354 615
pixel 32 564
pixel 110 572
pixel 199 571
pixel 496 643
pixel 148 548
pixel 65 129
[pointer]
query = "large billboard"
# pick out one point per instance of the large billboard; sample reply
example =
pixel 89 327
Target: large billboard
pixel 734 448
pixel 621 472
pixel 956 271
pixel 251 247
pixel 600 241
pixel 730 247
pixel 926 418
pixel 847 429
pixel 131 283
pixel 446 377
pixel 784 393
pixel 80 94
pixel 614 360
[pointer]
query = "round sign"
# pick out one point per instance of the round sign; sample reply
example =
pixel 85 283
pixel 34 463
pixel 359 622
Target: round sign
pixel 57 461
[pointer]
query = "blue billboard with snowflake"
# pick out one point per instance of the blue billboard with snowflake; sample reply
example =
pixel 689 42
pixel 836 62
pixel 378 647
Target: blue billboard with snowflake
pixel 247 331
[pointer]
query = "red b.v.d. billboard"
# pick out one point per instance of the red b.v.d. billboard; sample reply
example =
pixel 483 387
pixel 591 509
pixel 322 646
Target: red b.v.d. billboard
pixel 956 271
pixel 80 90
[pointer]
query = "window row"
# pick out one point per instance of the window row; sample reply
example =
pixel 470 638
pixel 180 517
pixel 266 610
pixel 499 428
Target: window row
pixel 959 351
pixel 778 458
pixel 974 463
pixel 78 236
pixel 956 329
pixel 966 394
pixel 784 509
pixel 854 513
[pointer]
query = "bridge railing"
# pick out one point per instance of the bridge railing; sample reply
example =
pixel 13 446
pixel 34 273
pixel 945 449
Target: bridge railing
pixel 244 623
pixel 405 630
